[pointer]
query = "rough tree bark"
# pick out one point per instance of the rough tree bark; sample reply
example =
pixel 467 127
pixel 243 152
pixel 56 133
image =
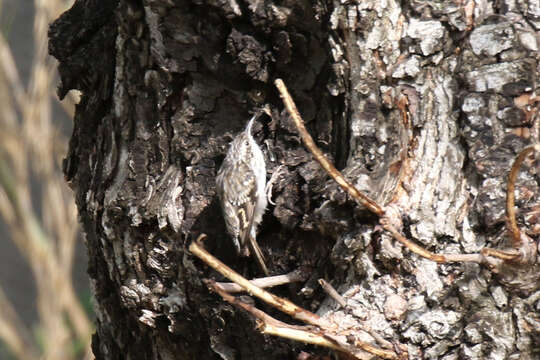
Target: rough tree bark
pixel 421 104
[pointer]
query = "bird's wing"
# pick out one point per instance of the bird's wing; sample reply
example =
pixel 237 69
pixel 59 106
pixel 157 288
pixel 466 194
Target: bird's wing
pixel 246 218
pixel 245 201
pixel 237 187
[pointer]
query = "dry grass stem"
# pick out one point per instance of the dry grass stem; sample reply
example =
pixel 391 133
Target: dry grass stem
pixel 29 155
pixel 14 333
pixel 9 70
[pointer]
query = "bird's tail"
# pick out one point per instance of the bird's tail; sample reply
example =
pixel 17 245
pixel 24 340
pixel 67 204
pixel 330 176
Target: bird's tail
pixel 258 254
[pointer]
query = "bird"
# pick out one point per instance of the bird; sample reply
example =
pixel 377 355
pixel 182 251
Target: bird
pixel 241 188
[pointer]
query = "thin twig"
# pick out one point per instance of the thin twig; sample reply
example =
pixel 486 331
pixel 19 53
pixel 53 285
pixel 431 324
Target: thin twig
pixel 385 215
pixel 259 314
pixel 271 326
pixel 267 282
pixel 329 289
pixel 379 339
pixel 510 196
pixel 320 157
pixel 281 304
pixel 503 255
pixel 363 199
pixel 417 249
pixel 330 341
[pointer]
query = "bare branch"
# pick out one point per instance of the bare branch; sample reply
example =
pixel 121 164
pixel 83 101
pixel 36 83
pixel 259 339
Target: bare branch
pixel 267 282
pixel 281 304
pixel 415 248
pixel 329 341
pixel 510 196
pixel 271 326
pixel 388 218
pixel 320 157
pixel 329 289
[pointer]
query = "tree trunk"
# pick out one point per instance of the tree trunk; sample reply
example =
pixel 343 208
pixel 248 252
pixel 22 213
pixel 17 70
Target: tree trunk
pixel 422 105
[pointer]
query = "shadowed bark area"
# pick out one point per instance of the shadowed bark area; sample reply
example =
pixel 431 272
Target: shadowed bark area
pixel 422 105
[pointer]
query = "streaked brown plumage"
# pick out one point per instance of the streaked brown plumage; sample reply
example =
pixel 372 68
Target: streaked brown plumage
pixel 241 183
